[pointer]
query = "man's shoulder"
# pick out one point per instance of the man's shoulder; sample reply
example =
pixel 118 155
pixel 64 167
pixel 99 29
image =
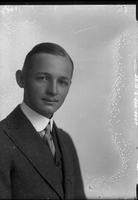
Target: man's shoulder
pixel 11 119
pixel 65 136
pixel 63 133
pixel 5 142
pixel 3 123
pixel 68 142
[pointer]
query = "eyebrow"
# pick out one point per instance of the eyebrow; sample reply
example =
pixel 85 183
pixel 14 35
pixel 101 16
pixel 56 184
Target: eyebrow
pixel 45 73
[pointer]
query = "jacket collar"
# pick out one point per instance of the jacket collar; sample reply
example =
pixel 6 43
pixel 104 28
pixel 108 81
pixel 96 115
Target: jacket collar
pixel 24 136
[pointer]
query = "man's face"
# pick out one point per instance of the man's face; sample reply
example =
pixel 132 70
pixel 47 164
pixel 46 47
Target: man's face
pixel 47 83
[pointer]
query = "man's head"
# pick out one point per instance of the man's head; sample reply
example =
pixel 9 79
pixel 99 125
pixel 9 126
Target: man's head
pixel 46 78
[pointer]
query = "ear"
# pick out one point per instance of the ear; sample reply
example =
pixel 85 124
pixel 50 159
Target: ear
pixel 19 78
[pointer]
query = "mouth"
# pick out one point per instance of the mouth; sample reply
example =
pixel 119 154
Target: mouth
pixel 50 100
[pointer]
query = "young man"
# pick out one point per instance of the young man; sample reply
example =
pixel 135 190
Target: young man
pixel 32 166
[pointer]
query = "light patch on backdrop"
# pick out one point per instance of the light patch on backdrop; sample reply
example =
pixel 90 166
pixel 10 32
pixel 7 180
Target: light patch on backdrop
pixel 120 123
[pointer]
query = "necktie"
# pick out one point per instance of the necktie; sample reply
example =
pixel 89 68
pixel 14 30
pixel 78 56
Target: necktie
pixel 48 138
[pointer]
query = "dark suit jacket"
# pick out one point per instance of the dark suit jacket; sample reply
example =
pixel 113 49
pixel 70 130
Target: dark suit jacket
pixel 26 166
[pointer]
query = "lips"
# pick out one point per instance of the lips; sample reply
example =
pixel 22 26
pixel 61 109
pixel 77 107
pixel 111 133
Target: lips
pixel 50 100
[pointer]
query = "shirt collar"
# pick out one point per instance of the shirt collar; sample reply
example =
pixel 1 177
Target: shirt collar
pixel 37 120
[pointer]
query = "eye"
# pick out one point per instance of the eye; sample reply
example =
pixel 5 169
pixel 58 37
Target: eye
pixel 42 78
pixel 63 82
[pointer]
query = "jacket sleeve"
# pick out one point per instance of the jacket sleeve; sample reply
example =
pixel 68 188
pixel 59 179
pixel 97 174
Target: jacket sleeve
pixel 5 167
pixel 77 178
pixel 79 187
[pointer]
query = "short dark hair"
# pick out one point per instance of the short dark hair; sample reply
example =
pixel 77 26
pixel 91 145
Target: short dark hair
pixel 47 47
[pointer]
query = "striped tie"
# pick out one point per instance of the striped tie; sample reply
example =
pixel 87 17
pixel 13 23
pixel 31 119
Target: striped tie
pixel 48 138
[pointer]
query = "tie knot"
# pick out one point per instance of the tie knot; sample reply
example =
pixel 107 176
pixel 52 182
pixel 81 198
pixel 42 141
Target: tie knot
pixel 46 131
pixel 48 127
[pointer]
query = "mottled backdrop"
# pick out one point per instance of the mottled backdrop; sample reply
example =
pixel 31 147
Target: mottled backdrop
pixel 99 111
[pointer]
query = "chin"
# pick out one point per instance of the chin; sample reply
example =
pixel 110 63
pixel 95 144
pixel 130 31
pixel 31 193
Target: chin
pixel 47 110
pixel 47 113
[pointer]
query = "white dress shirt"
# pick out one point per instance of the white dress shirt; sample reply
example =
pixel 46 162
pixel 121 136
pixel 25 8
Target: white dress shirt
pixel 38 121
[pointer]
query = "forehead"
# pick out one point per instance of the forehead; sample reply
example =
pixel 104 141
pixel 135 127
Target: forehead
pixel 53 64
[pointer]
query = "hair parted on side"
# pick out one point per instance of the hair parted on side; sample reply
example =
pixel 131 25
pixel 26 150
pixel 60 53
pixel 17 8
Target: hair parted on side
pixel 47 47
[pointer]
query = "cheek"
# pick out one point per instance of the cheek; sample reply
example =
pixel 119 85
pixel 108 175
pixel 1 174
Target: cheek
pixel 37 87
pixel 33 90
pixel 64 94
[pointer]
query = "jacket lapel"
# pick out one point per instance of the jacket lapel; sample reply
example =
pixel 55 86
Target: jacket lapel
pixel 67 164
pixel 22 133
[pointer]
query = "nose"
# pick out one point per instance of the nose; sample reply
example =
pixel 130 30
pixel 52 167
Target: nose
pixel 52 88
